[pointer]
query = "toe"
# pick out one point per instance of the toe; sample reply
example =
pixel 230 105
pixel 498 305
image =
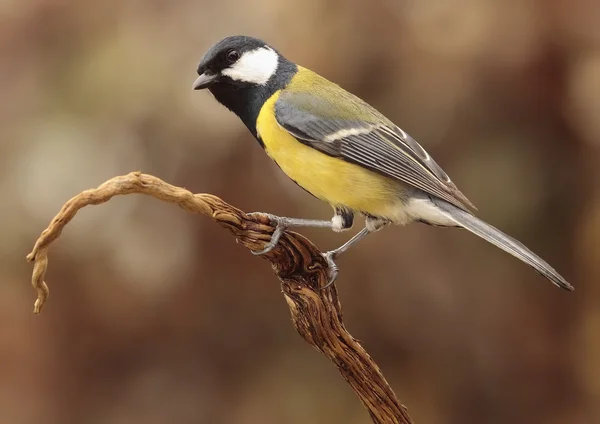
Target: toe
pixel 333 269
pixel 267 249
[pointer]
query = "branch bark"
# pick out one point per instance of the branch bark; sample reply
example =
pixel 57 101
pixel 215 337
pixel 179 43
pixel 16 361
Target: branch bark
pixel 316 313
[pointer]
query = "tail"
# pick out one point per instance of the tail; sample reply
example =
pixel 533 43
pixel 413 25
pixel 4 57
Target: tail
pixel 498 238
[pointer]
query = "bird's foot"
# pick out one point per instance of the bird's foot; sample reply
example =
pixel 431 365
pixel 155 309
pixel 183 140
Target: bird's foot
pixel 281 224
pixel 333 268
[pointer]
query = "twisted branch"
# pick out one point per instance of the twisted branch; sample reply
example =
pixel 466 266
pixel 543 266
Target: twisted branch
pixel 300 266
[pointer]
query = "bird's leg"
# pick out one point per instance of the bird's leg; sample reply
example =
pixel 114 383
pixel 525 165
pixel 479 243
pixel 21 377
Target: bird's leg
pixel 372 225
pixel 332 254
pixel 282 223
pixel 342 220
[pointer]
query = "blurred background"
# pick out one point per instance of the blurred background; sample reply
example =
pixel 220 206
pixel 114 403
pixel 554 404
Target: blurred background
pixel 158 316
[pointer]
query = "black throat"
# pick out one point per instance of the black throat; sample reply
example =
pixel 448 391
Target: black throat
pixel 246 100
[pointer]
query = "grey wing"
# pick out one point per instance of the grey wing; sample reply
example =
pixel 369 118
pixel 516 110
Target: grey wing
pixel 366 138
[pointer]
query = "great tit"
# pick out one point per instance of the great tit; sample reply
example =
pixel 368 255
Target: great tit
pixel 341 150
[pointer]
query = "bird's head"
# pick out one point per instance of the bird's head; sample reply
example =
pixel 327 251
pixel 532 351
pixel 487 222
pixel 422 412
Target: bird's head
pixel 242 73
pixel 237 61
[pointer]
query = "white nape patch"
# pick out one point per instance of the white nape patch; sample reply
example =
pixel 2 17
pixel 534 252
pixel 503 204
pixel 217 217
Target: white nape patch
pixel 255 66
pixel 337 223
pixel 425 210
pixel 346 132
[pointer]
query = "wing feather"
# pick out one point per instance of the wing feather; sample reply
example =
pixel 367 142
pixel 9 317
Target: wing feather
pixel 370 141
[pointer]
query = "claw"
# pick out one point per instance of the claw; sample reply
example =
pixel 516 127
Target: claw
pixel 280 227
pixel 273 242
pixel 333 268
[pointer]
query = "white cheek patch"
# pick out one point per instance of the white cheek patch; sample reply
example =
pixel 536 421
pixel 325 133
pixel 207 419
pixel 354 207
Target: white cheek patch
pixel 256 66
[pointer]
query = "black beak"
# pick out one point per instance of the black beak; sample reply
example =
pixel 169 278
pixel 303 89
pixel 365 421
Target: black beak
pixel 205 80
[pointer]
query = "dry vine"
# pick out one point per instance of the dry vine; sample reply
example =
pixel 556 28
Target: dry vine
pixel 299 265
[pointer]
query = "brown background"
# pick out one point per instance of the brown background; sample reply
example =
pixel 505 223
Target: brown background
pixel 157 316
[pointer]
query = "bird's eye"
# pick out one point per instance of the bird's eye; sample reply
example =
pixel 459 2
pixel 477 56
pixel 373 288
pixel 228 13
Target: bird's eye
pixel 232 56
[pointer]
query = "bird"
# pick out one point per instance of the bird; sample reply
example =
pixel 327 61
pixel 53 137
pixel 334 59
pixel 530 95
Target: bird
pixel 341 150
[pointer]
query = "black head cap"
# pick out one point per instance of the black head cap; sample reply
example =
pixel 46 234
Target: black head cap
pixel 215 59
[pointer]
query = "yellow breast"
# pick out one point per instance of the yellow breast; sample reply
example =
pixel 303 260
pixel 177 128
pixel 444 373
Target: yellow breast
pixel 330 179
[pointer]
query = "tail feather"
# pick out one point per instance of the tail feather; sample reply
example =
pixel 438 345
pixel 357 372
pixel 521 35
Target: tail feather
pixel 503 241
